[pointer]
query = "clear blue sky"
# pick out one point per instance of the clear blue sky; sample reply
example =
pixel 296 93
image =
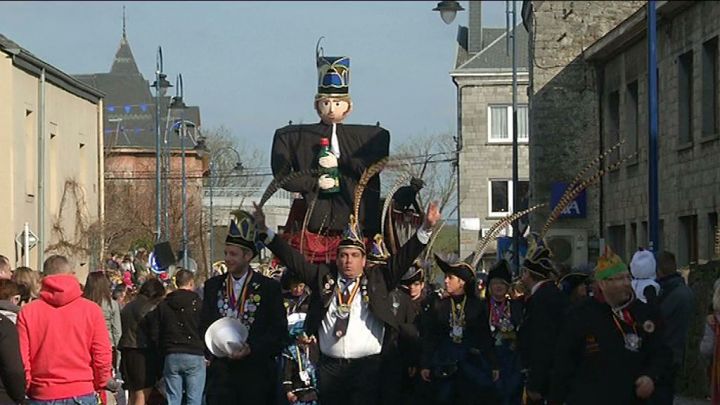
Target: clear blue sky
pixel 250 65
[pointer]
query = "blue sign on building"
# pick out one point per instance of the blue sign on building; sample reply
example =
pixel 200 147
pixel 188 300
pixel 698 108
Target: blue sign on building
pixel 576 209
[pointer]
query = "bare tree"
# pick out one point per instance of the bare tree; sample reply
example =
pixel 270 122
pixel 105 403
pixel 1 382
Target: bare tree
pixel 431 158
pixel 225 172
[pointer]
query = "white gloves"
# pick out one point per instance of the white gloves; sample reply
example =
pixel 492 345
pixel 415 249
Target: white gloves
pixel 326 182
pixel 328 162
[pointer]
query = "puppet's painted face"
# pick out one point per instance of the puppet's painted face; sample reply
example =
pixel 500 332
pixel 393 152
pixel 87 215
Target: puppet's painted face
pixel 333 110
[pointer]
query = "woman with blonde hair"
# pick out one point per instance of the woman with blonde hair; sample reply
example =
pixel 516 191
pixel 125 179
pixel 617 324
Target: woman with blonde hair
pixel 709 346
pixel 30 279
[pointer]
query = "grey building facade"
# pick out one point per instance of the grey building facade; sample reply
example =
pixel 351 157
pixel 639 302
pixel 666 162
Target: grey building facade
pixel 589 89
pixel 483 76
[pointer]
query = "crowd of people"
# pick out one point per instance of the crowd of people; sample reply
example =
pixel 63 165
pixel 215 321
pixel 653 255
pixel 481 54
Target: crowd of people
pixel 361 330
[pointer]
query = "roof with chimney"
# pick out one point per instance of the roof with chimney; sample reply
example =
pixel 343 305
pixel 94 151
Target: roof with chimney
pixel 490 51
pixel 129 116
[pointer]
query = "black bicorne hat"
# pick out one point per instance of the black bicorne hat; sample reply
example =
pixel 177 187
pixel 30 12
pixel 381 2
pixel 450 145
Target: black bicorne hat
pixel 500 270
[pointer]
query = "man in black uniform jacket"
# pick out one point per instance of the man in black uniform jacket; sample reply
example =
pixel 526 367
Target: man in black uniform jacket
pixel 545 308
pixel 354 148
pixel 611 349
pixel 350 311
pixel 248 375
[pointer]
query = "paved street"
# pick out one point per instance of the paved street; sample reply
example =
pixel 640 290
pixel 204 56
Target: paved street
pixel 690 401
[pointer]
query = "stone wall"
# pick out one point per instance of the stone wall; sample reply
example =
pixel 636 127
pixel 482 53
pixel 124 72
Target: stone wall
pixel 564 134
pixel 689 173
pixel 480 160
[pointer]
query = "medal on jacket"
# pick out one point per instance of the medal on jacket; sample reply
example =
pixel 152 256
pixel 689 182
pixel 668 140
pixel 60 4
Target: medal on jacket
pixel 345 300
pixel 457 320
pixel 632 341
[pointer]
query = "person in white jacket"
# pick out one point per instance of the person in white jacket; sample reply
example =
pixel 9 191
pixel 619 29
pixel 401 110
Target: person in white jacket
pixel 643 269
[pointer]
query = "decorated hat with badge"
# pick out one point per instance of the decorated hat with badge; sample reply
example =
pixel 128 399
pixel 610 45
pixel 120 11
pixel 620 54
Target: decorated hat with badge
pixel 242 231
pixel 379 253
pixel 609 264
pixel 538 258
pixel 333 74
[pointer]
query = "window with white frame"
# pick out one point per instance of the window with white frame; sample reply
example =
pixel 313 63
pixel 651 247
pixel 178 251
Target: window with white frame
pixel 500 196
pixel 500 123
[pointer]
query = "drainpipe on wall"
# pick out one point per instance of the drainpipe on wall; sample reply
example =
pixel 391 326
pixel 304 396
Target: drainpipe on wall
pixel 41 171
pixel 458 149
pixel 600 74
pixel 100 187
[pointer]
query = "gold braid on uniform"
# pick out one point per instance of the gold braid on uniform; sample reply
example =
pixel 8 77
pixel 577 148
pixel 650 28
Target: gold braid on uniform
pixel 371 171
pixel 495 229
pixel 571 194
pixel 276 184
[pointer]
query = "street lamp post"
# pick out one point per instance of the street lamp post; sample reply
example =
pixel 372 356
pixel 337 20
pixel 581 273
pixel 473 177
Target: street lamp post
pixel 516 197
pixel 179 104
pixel 238 167
pixel 161 85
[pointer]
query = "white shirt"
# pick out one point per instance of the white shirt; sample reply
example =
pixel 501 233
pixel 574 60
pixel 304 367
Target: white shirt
pixel 238 284
pixel 364 334
pixel 334 143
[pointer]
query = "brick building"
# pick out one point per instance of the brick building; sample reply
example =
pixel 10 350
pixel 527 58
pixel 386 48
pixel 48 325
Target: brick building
pixel 483 76
pixel 588 89
pixel 130 161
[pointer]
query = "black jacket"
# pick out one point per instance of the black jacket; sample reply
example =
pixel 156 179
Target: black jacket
pixel 436 330
pixel 12 373
pixel 296 147
pixel 676 302
pixel 135 323
pixel 268 333
pixel 593 366
pixel 381 279
pixel 537 337
pixel 175 325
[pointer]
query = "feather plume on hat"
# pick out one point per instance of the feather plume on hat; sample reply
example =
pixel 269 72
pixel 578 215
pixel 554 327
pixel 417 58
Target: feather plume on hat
pixel 577 185
pixel 352 236
pixel 278 183
pixel 495 229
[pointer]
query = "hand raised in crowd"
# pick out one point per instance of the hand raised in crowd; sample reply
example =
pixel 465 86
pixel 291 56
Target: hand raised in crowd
pixel 432 216
pixel 292 398
pixel 425 374
pixel 304 339
pixel 644 387
pixel 259 218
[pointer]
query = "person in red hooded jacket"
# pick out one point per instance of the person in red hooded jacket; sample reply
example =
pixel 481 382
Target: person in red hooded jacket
pixel 64 344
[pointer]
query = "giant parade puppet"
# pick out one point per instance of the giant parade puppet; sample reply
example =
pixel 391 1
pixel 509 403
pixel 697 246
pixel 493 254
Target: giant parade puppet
pixel 323 163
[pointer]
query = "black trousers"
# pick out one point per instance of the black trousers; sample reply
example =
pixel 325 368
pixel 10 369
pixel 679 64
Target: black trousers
pixel 349 381
pixel 241 381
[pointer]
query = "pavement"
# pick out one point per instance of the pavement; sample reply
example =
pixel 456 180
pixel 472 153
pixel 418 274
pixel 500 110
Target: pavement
pixel 690 401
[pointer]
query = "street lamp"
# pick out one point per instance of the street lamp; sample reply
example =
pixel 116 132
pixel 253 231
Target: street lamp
pixel 161 85
pixel 178 104
pixel 238 167
pixel 448 10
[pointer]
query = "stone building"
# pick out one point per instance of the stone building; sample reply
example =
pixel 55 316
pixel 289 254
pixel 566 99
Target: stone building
pixel 689 135
pixel 563 99
pixel 589 89
pixel 483 76
pixel 52 167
